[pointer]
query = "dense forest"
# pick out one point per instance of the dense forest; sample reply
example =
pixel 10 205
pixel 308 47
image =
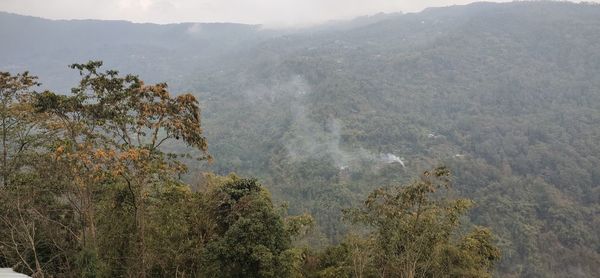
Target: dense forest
pixel 89 191
pixel 346 125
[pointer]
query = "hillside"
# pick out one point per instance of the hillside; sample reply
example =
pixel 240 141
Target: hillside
pixel 506 95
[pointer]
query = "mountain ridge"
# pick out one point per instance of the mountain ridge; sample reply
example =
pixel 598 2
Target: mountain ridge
pixel 506 95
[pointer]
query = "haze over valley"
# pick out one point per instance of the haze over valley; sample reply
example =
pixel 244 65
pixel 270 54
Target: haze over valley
pixel 506 96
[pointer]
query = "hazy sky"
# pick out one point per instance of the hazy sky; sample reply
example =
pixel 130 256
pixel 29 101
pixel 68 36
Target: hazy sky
pixel 269 12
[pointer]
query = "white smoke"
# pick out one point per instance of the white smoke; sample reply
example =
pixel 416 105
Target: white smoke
pixel 307 138
pixel 391 158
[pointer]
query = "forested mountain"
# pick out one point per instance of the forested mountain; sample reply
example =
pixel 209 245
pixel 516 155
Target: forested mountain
pixel 505 95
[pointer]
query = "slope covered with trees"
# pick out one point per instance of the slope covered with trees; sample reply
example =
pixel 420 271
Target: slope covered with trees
pixel 505 95
pixel 88 191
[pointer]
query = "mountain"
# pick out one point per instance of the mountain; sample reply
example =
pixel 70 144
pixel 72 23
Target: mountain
pixel 152 50
pixel 506 95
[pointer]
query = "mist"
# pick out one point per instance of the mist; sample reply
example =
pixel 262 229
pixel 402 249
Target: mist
pixel 309 139
pixel 271 13
pixel 490 104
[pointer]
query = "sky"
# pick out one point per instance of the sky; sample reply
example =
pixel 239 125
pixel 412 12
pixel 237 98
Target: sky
pixel 274 13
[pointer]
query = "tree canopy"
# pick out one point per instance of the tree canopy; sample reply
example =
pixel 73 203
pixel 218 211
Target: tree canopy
pixel 94 193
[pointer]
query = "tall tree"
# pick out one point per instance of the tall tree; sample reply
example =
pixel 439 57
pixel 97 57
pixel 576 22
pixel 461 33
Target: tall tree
pixel 111 130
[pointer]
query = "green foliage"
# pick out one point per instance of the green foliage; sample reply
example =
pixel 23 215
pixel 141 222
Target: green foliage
pixel 100 198
pixel 17 123
pixel 412 230
pixel 415 229
pixel 507 91
pixel 251 237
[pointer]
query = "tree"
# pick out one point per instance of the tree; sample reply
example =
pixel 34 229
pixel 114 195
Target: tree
pixel 251 238
pixel 111 131
pixel 103 198
pixel 17 120
pixel 30 239
pixel 415 231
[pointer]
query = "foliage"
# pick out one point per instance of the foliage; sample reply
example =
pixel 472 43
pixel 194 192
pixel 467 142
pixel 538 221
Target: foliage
pixel 251 237
pixel 503 94
pixel 99 197
pixel 415 233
